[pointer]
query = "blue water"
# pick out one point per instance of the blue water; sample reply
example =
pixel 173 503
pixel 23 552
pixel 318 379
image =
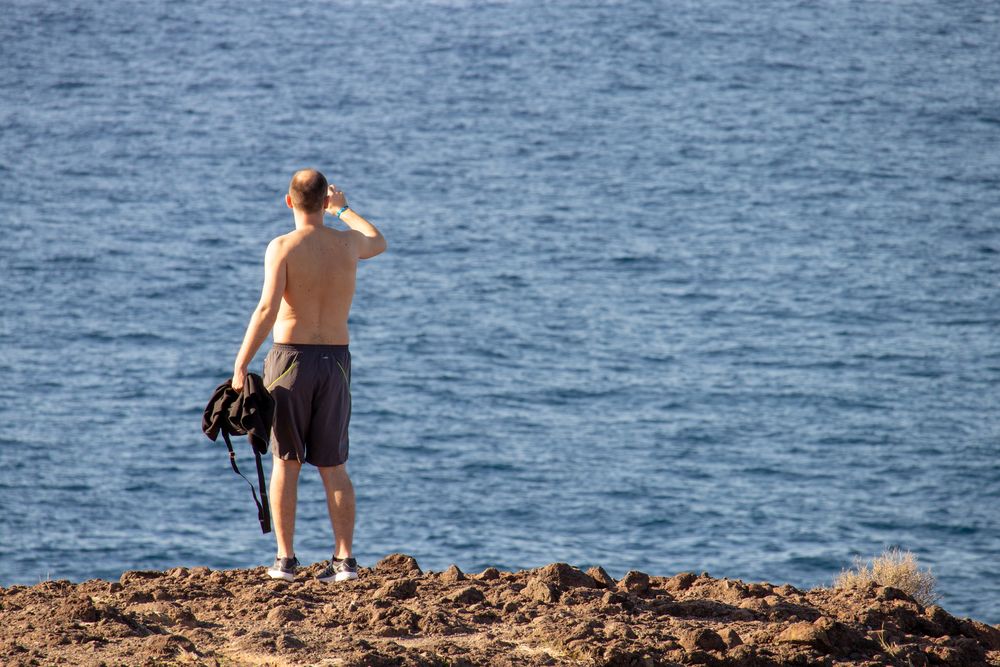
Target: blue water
pixel 671 286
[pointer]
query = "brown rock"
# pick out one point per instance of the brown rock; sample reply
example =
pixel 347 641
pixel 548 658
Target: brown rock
pixel 941 655
pixel 185 618
pixel 169 645
pixel 541 591
pixel 890 593
pixel 286 641
pixel 969 650
pixel 490 574
pixel 987 635
pixel 398 564
pixel 731 637
pixel 681 581
pixel 634 582
pixel 140 576
pixel 440 623
pixel 563 576
pixel 600 577
pixel 699 657
pixel 616 630
pixel 399 589
pixel 742 656
pixel 80 608
pixel 912 656
pixel 580 631
pixel 284 615
pixel 804 633
pixel 467 595
pixel 788 590
pixel 452 574
pixel 844 639
pixel 948 623
pixel 167 614
pixel 705 639
pixel 733 591
pixel 676 656
pixel 618 599
pixel 755 605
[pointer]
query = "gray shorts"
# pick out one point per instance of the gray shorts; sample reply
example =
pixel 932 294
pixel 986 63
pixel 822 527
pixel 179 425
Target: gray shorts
pixel 311 386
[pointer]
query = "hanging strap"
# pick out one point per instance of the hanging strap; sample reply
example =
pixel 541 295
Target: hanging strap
pixel 263 510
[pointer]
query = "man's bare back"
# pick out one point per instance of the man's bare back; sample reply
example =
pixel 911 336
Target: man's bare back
pixel 320 265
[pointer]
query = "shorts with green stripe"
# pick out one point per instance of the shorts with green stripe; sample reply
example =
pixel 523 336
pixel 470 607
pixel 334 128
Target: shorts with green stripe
pixel 311 387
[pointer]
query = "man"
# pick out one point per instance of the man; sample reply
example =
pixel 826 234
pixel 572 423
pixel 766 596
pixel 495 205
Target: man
pixel 309 277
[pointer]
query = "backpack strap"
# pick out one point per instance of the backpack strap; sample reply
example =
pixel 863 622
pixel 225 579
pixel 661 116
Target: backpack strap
pixel 263 510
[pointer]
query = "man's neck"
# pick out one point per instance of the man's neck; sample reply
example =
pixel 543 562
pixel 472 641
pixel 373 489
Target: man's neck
pixel 305 220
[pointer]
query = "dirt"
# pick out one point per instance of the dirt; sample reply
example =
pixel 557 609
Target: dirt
pixel 395 614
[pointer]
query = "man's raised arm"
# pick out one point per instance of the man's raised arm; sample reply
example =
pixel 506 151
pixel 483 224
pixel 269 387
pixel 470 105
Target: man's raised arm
pixel 265 313
pixel 370 241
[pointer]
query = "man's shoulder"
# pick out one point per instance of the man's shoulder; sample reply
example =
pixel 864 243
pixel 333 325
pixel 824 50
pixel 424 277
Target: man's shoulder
pixel 279 246
pixel 286 243
pixel 285 239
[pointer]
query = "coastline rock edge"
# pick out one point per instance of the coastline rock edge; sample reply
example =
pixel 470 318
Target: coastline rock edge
pixel 397 614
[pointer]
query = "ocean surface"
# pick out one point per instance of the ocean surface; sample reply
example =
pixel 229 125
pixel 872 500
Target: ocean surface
pixel 671 286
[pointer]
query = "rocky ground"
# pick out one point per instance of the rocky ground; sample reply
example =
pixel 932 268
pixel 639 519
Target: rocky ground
pixel 394 614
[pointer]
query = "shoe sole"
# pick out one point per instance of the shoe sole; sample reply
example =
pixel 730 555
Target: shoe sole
pixel 340 576
pixel 278 574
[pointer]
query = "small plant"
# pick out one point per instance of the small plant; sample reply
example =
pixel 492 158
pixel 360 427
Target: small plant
pixel 891 649
pixel 894 568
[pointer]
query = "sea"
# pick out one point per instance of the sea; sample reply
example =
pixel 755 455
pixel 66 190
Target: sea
pixel 700 285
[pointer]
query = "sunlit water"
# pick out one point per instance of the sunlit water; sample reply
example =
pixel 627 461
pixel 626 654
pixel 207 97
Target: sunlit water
pixel 671 286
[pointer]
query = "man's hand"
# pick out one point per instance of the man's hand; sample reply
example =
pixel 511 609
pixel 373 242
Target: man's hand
pixel 337 200
pixel 239 378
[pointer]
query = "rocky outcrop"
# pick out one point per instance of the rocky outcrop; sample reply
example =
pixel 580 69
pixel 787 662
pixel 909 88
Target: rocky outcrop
pixel 397 614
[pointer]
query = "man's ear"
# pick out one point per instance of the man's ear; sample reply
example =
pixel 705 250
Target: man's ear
pixel 288 201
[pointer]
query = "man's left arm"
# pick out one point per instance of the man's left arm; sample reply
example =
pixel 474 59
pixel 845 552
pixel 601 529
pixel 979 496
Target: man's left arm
pixel 265 313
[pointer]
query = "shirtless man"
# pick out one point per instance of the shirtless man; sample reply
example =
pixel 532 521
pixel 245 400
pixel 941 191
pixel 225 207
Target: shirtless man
pixel 309 277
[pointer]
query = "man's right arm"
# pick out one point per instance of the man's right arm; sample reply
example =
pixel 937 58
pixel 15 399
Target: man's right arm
pixel 368 239
pixel 371 241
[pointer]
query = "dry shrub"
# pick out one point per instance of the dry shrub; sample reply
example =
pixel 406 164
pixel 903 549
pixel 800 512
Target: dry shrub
pixel 894 568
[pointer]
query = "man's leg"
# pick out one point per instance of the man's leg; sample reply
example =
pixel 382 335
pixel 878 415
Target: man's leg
pixel 340 503
pixel 284 496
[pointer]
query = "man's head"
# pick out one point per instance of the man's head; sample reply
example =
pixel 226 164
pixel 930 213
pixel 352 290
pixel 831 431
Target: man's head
pixel 307 191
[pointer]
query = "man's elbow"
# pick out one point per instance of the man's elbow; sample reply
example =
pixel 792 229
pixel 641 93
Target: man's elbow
pixel 375 247
pixel 266 312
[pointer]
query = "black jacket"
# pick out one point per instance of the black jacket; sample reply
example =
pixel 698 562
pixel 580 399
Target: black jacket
pixel 250 413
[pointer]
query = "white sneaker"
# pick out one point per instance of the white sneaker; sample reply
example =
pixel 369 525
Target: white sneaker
pixel 283 568
pixel 339 570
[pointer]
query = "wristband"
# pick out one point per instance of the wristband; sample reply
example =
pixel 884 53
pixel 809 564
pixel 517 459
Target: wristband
pixel 342 209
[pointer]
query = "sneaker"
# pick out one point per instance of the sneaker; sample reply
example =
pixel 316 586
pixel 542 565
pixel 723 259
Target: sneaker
pixel 339 570
pixel 283 568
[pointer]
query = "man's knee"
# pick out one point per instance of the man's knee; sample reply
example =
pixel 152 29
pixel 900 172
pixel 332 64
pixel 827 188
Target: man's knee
pixel 287 465
pixel 335 474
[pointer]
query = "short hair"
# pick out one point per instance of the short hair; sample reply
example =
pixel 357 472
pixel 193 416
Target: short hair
pixel 308 190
